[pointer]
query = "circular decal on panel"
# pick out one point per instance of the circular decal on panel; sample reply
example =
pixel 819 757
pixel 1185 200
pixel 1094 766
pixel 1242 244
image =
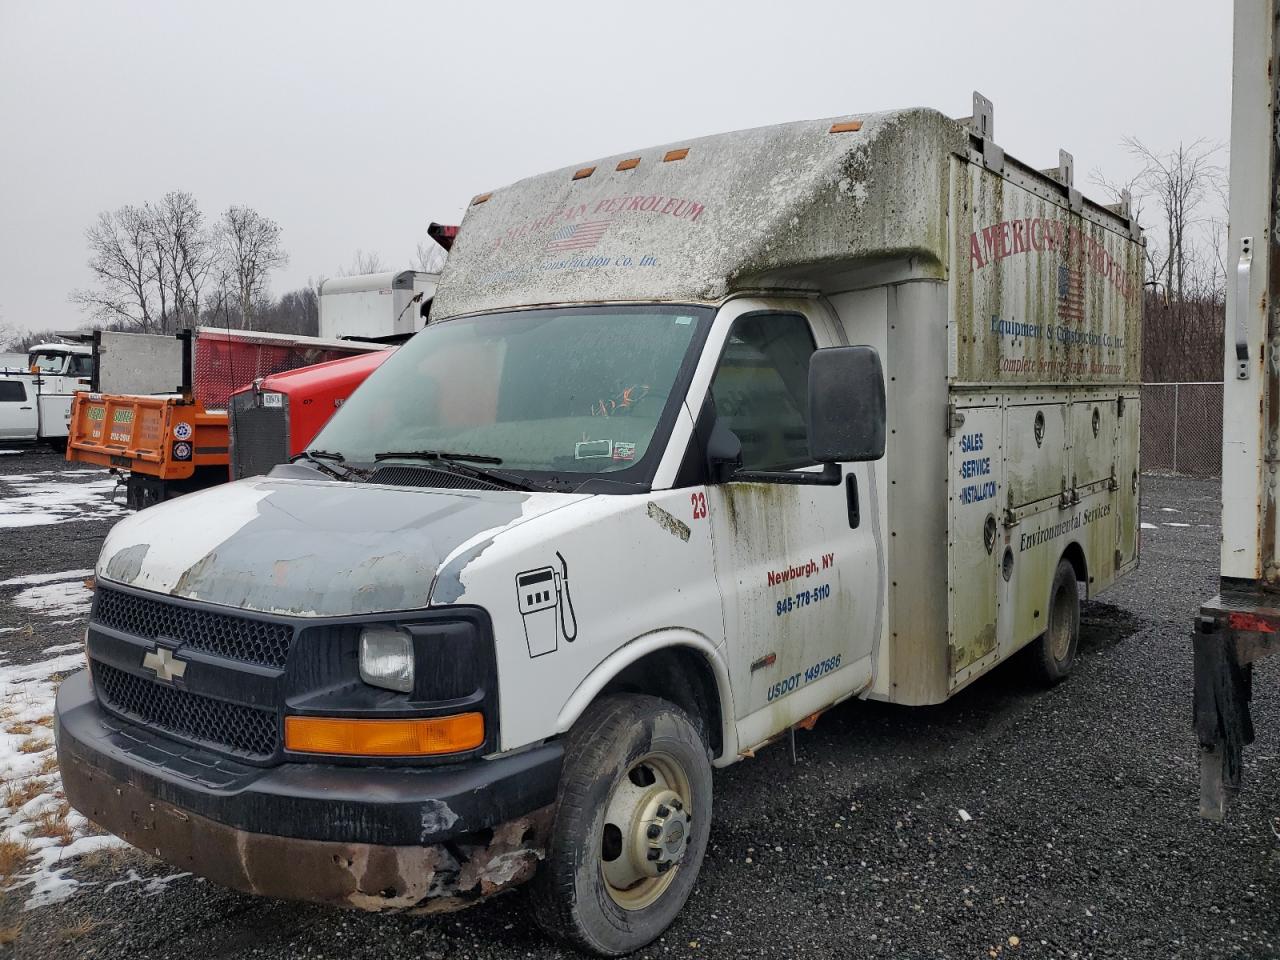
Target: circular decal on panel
pixel 182 451
pixel 182 430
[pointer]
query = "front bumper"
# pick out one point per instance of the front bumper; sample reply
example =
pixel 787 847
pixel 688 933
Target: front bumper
pixel 374 838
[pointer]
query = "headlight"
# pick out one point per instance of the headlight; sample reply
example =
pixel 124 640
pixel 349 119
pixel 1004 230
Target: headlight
pixel 386 658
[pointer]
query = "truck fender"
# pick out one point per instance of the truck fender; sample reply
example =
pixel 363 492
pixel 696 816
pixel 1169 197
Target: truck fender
pixel 640 647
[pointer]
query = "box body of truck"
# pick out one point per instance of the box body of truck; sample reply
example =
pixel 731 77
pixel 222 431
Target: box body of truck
pixel 375 305
pixel 600 502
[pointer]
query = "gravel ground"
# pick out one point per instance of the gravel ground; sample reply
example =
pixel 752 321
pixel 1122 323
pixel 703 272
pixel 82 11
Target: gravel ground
pixel 1084 839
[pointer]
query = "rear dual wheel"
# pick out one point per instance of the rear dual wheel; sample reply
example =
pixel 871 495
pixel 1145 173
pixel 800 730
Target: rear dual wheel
pixel 1053 654
pixel 631 826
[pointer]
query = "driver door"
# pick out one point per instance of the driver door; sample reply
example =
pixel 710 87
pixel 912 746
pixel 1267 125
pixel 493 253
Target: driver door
pixel 796 557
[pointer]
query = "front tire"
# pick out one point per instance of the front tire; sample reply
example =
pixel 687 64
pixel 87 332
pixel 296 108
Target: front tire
pixel 632 820
pixel 1054 653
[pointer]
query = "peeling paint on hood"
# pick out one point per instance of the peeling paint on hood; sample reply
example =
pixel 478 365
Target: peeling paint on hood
pixel 309 548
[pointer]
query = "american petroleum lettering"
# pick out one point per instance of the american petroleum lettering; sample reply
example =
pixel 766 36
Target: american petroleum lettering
pixel 676 207
pixel 1036 234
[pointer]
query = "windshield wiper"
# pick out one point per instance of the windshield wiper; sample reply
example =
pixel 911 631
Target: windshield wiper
pixel 436 455
pixel 454 462
pixel 321 458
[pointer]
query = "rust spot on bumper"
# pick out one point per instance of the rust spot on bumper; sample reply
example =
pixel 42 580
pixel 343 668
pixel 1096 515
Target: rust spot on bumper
pixel 423 879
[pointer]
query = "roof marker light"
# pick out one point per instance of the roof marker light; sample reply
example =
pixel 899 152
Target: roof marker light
pixel 848 126
pixel 584 173
pixel 481 199
pixel 629 164
pixel 676 154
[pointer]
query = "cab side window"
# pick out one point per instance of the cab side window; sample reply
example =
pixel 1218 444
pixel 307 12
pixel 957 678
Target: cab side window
pixel 12 391
pixel 761 389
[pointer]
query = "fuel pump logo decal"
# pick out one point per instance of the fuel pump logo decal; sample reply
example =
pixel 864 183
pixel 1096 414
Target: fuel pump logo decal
pixel 546 607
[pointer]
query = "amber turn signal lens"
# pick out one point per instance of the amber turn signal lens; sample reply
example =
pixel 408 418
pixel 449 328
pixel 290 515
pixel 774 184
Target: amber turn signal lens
pixel 413 737
pixel 848 126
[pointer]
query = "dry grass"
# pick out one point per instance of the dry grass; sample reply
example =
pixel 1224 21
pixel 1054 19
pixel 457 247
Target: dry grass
pixel 18 729
pixel 13 855
pixel 35 745
pixel 86 925
pixel 49 764
pixel 53 823
pixel 9 935
pixel 115 858
pixel 44 721
pixel 18 792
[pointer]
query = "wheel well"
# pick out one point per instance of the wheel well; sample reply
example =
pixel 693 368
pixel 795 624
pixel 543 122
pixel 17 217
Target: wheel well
pixel 1075 556
pixel 683 677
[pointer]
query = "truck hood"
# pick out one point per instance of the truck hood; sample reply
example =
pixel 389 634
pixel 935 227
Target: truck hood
pixel 314 548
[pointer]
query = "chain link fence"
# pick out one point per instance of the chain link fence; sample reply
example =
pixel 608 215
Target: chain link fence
pixel 1182 428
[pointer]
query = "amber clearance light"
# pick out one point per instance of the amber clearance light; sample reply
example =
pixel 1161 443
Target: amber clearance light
pixel 384 738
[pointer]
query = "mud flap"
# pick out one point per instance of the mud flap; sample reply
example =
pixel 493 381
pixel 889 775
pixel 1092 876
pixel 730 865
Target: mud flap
pixel 1223 724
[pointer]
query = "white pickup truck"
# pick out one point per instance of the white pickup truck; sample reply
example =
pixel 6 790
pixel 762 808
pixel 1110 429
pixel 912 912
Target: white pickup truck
pixel 35 398
pixel 700 441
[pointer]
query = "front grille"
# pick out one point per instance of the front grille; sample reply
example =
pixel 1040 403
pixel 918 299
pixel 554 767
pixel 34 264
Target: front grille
pixel 431 477
pixel 238 638
pixel 229 726
pixel 259 435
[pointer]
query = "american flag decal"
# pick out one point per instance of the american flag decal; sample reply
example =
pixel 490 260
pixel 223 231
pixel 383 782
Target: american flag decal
pixel 578 236
pixel 1070 292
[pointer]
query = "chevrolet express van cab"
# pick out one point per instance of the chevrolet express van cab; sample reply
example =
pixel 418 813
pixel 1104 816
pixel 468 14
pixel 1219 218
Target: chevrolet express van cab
pixel 700 441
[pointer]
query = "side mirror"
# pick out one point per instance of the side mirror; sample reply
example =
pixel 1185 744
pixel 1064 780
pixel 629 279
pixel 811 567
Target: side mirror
pixel 846 405
pixel 724 452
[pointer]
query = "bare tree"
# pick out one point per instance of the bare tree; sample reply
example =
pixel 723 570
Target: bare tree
pixel 363 263
pixel 430 256
pixel 182 251
pixel 1177 181
pixel 251 249
pixel 119 256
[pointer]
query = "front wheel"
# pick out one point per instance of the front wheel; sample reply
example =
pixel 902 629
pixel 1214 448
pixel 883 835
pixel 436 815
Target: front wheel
pixel 1054 653
pixel 631 825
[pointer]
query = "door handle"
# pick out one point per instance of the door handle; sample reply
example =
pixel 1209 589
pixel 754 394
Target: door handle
pixel 24 408
pixel 1243 267
pixel 851 494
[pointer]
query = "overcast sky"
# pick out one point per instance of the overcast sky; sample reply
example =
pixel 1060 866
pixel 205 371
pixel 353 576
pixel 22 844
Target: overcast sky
pixel 356 124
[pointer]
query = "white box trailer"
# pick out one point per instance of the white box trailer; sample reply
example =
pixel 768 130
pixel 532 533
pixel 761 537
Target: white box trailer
pixel 375 305
pixel 699 441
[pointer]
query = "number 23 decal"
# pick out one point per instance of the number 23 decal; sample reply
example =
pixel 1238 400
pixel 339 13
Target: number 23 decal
pixel 699 505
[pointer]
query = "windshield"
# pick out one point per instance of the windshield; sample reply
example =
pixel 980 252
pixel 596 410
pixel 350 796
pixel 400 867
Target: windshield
pixel 580 390
pixel 43 362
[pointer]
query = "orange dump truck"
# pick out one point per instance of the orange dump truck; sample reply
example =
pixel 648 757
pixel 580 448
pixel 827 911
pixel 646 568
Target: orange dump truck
pixel 175 439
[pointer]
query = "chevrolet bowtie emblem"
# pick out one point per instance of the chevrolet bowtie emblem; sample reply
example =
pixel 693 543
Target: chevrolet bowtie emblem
pixel 165 664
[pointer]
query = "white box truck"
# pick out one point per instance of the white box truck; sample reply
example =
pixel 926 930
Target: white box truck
pixel 375 306
pixel 700 441
pixel 35 397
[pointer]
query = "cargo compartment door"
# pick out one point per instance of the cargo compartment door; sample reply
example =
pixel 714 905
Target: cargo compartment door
pixel 1128 444
pixel 975 538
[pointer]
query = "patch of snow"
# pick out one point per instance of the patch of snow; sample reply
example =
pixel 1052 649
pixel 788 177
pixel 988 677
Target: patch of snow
pixel 965 816
pixel 34 501
pixel 1170 524
pixel 69 598
pixel 33 578
pixel 1149 526
pixel 26 698
pixel 64 647
pixel 1169 510
pixel 5 453
pixel 150 885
